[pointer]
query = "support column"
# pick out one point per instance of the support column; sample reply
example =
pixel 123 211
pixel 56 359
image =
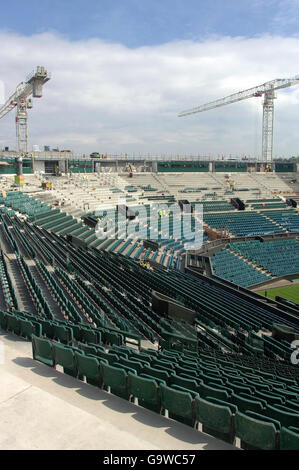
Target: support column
pixel 267 133
pixel 22 126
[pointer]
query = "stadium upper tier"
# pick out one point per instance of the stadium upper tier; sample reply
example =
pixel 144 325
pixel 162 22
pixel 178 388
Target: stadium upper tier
pixel 79 190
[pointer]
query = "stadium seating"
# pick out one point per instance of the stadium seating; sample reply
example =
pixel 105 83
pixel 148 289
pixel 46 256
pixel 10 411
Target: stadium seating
pixel 227 265
pixel 242 223
pixel 92 308
pixel 279 257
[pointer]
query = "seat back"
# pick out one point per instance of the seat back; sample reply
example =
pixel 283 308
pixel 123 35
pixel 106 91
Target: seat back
pixel 146 391
pixel 289 439
pixel 285 416
pixel 183 382
pixel 14 324
pixel 215 419
pixel 244 404
pixel 42 350
pixel 206 390
pixel 90 335
pixel 28 328
pixel 89 366
pixel 179 405
pixel 116 379
pixel 64 356
pixel 134 364
pixel 3 320
pixel 160 374
pixel 255 434
pixel 63 333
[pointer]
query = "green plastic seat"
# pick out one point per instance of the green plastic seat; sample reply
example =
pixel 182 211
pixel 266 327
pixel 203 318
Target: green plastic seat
pixel 184 389
pixel 179 405
pixel 88 348
pixel 244 404
pixel 190 377
pixel 294 405
pixel 160 374
pixel 64 356
pixel 127 369
pixel 13 324
pixel 216 392
pixel 48 328
pixel 167 364
pixel 119 353
pixel 254 433
pixel 146 391
pixel 183 382
pixel 270 397
pixel 90 335
pixel 42 350
pixel 217 401
pixel 28 328
pixel 112 338
pixel 111 358
pixel 159 381
pixel 263 417
pixel 116 379
pixel 214 382
pixel 283 414
pixel 286 394
pixel 255 398
pixel 89 367
pixel 289 439
pixel 77 332
pixel 215 419
pixel 98 347
pixel 63 333
pixel 3 320
pixel 132 363
pixel 240 388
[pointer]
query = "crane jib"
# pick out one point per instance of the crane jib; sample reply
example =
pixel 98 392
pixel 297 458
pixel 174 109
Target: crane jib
pixel 20 99
pixel 267 89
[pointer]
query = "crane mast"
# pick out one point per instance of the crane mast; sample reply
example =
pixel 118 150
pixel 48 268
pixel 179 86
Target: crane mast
pixel 268 90
pixel 21 101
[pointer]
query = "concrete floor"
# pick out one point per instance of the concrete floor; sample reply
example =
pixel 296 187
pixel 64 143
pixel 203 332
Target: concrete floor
pixel 42 408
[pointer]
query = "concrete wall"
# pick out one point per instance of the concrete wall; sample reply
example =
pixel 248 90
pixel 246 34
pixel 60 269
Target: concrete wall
pixel 39 165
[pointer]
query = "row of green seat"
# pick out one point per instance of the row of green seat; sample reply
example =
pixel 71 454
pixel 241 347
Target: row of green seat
pixel 66 331
pixel 280 257
pixel 39 300
pixel 8 290
pixel 218 417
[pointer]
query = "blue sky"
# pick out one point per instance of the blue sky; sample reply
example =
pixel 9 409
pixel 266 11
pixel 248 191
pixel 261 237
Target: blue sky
pixel 123 69
pixel 137 23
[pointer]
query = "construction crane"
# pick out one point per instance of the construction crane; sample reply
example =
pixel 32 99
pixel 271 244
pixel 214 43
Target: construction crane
pixel 21 100
pixel 268 90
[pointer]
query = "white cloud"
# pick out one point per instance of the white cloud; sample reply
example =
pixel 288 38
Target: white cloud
pixel 109 98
